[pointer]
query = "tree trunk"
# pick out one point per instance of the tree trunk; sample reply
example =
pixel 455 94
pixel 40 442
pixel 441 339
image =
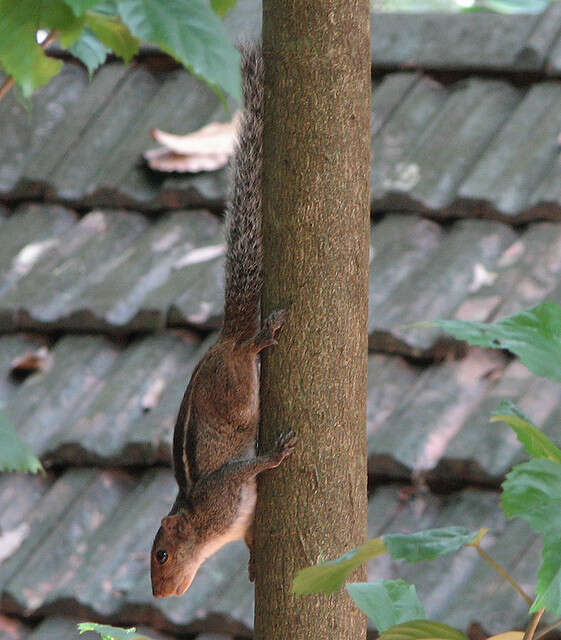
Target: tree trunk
pixel 316 243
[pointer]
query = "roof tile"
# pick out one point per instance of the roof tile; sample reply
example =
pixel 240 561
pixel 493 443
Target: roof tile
pixel 489 41
pixel 485 452
pixel 66 137
pixel 390 174
pixel 438 287
pixel 415 435
pixel 115 423
pixel 40 407
pixel 52 289
pixel 450 587
pixel 77 172
pixel 26 235
pixel 519 156
pixel 94 548
pixel 526 273
pixel 23 136
pixel 455 138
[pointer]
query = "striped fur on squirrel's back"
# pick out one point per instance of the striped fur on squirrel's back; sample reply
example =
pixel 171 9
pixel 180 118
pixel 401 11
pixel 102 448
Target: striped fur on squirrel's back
pixel 243 213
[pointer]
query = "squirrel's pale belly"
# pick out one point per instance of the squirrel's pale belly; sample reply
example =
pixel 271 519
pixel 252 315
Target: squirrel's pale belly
pixel 241 524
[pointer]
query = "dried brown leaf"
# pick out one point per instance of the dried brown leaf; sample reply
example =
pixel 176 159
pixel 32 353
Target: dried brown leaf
pixel 207 149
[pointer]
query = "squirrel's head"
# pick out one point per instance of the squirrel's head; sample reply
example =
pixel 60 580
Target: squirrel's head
pixel 175 557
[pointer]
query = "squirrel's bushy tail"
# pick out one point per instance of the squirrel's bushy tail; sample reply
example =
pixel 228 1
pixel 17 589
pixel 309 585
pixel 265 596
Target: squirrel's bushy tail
pixel 243 213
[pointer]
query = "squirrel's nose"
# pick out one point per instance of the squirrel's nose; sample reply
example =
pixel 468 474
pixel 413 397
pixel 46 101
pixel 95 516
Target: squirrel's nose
pixel 159 590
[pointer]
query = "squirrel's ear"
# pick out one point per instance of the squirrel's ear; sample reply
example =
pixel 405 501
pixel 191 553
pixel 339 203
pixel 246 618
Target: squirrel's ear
pixel 175 525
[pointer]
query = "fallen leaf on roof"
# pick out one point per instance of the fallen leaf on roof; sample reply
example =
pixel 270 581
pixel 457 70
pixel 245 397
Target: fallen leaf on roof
pixel 31 362
pixel 207 149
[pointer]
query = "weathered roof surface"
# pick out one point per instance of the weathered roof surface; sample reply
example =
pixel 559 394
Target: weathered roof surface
pixel 83 143
pixel 452 42
pixel 115 272
pixel 84 550
pixel 121 272
pixel 84 547
pixel 481 40
pixel 111 270
pixel 100 403
pixel 435 420
pixel 479 146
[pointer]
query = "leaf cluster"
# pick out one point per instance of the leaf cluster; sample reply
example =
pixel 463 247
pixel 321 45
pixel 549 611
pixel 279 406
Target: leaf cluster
pixel 387 602
pixel 531 491
pixel 189 30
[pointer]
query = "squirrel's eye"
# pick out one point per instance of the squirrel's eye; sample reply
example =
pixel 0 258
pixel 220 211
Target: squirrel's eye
pixel 162 556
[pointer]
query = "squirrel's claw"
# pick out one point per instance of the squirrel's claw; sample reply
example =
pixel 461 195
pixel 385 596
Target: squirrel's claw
pixel 271 326
pixel 284 446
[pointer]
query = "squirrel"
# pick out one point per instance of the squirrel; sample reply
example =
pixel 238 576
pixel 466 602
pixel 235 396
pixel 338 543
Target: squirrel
pixel 214 457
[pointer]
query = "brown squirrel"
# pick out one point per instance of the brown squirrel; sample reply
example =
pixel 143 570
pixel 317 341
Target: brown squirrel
pixel 214 457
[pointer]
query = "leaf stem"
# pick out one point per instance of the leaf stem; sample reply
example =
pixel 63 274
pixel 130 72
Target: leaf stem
pixel 9 81
pixel 504 574
pixel 533 625
pixel 6 86
pixel 545 631
pixel 50 38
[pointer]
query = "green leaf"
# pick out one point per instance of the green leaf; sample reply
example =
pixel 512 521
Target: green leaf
pixel 413 547
pixel 387 602
pixel 330 576
pixel 109 7
pixel 548 591
pixel 192 33
pixel 56 15
pixel 221 7
pixel 535 442
pixel 20 55
pixel 532 491
pixel 113 34
pixel 429 544
pixel 15 454
pixel 89 50
pixel 79 7
pixel 422 630
pixel 111 633
pixel 533 335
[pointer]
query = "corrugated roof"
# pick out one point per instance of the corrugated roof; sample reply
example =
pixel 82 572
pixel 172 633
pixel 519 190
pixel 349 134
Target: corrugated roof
pixel 479 146
pixel 117 273
pixel 85 551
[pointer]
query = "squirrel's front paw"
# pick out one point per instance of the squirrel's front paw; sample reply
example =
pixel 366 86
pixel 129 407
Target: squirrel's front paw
pixel 284 446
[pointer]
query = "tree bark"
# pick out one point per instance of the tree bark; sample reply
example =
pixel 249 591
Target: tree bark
pixel 316 243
